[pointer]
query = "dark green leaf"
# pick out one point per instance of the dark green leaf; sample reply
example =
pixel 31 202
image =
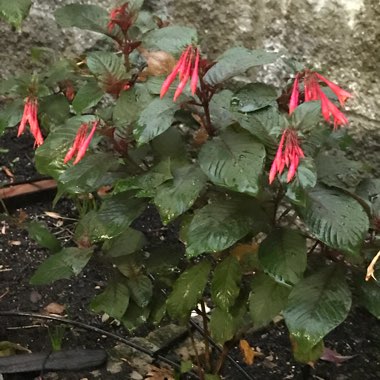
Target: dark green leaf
pixel 369 295
pixel 134 316
pixel 225 285
pixel 64 264
pixel 222 325
pixel 172 39
pixel 283 255
pixel 126 243
pixel 114 300
pixel 41 234
pixel 334 169
pixel 336 219
pixel 89 174
pixel 11 114
pixel 221 223
pixel 369 191
pixel 317 304
pixel 237 61
pixel 87 96
pixel 90 229
pixel 156 118
pixel 233 160
pixel 14 11
pixel 141 290
pixel 175 197
pixel 54 109
pixel 108 66
pixel 267 299
pixel 187 290
pixel 221 116
pixel 119 211
pixel 306 116
pixel 169 144
pixel 254 96
pixel 83 16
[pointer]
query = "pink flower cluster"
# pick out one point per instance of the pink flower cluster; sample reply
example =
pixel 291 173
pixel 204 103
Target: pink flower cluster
pixel 186 68
pixel 30 117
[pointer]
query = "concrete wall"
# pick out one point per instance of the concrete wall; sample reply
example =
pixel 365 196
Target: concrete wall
pixel 341 37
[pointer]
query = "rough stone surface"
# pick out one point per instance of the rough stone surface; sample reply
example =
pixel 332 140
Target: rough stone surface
pixel 339 37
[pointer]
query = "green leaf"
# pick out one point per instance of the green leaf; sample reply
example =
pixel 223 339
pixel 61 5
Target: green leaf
pixel 233 160
pixel 169 144
pixel 114 300
pixel 222 325
pixel 237 61
pixel 49 156
pixel 126 243
pixel 175 197
pixel 307 173
pixel 90 17
pixel 156 118
pixel 334 169
pixel 130 104
pixel 141 290
pixel 336 219
pixel 14 11
pixel 221 115
pixel 369 191
pixel 225 285
pixel 220 224
pixel 87 96
pixel 172 39
pixel 41 234
pixel 54 109
pixel 64 264
pixel 187 290
pixel 307 356
pixel 108 66
pixel 135 316
pixel 317 304
pixel 119 211
pixel 11 114
pixel 90 229
pixel 268 298
pixel 306 116
pixel 283 255
pixel 148 182
pixel 369 295
pixel 254 96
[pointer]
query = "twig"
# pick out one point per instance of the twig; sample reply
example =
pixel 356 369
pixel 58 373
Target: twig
pixel 200 371
pixel 97 330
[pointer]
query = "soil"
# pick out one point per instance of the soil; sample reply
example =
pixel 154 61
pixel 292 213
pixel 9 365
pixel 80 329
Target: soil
pixel 359 335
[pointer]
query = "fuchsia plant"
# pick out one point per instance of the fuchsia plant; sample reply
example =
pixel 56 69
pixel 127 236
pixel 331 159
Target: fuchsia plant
pixel 176 133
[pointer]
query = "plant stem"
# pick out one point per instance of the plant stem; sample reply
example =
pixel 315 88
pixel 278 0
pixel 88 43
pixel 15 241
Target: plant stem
pixel 207 334
pixel 222 358
pixel 200 371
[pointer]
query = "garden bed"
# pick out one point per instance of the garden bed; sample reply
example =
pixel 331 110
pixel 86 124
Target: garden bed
pixel 358 336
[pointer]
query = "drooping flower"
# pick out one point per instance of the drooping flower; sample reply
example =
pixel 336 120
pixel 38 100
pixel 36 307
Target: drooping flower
pixel 30 117
pixel 288 155
pixel 120 16
pixel 81 142
pixel 313 91
pixel 187 68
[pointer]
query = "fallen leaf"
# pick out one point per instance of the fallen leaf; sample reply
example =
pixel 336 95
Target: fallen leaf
pixel 8 348
pixel 371 268
pixel 332 356
pixel 248 352
pixel 8 172
pixel 54 308
pixel 53 215
pixel 156 373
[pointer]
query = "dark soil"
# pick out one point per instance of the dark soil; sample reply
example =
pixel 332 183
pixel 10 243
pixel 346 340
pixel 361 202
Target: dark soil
pixel 359 335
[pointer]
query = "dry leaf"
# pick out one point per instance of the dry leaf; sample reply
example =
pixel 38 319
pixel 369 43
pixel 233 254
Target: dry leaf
pixel 53 215
pixel 158 63
pixel 21 217
pixel 156 373
pixel 332 356
pixel 248 352
pixel 371 268
pixel 54 308
pixel 241 250
pixel 8 172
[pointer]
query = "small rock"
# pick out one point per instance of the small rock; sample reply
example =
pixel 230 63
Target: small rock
pixel 135 376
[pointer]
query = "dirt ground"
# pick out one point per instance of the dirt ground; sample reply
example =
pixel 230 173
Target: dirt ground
pixel 359 335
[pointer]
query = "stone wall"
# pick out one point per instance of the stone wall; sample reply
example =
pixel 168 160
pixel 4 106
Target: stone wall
pixel 341 37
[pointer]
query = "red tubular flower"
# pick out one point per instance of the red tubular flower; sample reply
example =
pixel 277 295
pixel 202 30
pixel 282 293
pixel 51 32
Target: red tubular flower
pixel 119 16
pixel 30 117
pixel 288 155
pixel 313 91
pixel 81 142
pixel 186 68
